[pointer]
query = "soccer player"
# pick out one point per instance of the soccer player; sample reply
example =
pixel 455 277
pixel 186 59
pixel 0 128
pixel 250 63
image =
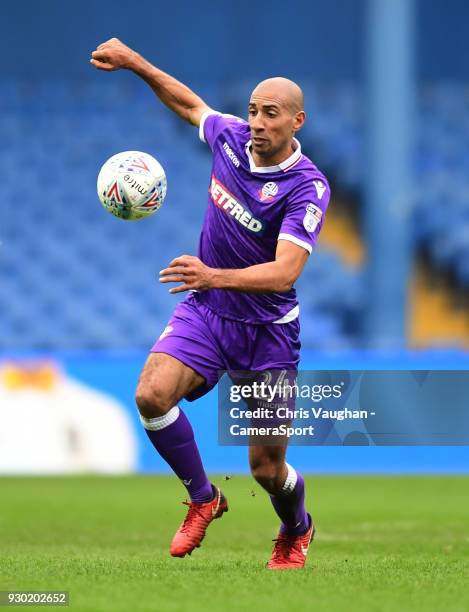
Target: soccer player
pixel 265 210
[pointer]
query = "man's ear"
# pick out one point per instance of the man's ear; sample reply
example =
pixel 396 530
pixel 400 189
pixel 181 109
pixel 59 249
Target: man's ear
pixel 300 118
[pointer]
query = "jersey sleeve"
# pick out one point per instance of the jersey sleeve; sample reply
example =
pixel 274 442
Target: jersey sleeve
pixel 305 212
pixel 213 123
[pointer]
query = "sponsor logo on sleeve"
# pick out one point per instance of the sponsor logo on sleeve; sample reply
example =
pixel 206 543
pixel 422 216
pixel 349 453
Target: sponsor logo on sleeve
pixel 312 217
pixel 268 192
pixel 320 188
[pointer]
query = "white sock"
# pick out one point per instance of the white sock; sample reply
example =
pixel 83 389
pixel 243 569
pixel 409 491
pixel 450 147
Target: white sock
pixel 290 481
pixel 161 422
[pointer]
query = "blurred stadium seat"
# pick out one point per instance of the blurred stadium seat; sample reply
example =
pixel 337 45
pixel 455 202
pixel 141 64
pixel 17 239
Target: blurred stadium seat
pixel 94 278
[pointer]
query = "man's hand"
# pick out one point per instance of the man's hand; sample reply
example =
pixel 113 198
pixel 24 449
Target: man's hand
pixel 271 277
pixel 113 55
pixel 190 271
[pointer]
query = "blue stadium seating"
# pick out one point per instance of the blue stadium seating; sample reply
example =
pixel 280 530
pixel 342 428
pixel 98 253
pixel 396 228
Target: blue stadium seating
pixel 74 277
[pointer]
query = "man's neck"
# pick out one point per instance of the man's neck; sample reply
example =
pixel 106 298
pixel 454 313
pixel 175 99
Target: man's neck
pixel 274 160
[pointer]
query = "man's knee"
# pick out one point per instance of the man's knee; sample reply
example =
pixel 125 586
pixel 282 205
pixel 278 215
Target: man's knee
pixel 152 399
pixel 164 381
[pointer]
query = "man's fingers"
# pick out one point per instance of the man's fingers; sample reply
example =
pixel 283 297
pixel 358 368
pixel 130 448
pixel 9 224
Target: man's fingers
pixel 182 260
pixel 100 59
pixel 180 289
pixel 99 54
pixel 101 65
pixel 107 42
pixel 97 64
pixel 173 270
pixel 179 261
pixel 173 279
pixel 179 270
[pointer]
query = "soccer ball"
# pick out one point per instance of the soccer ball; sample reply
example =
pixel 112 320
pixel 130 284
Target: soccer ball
pixel 132 185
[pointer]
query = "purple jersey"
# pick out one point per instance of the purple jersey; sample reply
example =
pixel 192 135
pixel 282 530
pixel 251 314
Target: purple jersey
pixel 249 209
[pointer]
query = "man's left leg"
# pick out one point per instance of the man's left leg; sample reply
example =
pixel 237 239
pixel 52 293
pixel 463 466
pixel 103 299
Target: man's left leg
pixel 286 489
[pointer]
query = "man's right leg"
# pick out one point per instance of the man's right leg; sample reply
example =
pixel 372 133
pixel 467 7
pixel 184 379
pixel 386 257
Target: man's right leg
pixel 164 381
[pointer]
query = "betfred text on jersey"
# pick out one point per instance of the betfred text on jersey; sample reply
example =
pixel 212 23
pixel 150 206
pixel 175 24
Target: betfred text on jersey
pixel 223 199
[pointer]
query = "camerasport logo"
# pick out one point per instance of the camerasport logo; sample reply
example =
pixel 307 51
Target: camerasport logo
pixel 222 198
pixel 268 192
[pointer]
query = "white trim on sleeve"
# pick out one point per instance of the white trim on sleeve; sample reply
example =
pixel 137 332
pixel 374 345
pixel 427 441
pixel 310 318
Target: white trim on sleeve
pixel 202 122
pixel 296 240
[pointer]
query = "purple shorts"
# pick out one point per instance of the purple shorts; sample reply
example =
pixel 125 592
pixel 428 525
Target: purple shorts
pixel 208 344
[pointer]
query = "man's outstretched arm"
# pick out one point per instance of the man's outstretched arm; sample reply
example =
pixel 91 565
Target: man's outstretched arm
pixel 114 55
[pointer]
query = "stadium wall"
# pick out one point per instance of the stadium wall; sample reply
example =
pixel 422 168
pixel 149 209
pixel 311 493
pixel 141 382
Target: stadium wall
pixel 116 375
pixel 230 39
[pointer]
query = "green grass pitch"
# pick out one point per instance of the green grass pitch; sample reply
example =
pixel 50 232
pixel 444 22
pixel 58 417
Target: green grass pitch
pixel 383 543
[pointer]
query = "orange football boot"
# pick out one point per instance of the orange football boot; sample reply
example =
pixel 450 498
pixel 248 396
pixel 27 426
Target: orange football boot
pixel 199 516
pixel 290 550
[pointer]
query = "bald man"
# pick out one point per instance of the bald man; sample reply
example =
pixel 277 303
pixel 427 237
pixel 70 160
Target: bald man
pixel 266 207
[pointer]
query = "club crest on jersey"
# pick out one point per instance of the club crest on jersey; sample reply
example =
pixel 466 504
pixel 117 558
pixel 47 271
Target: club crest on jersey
pixel 224 200
pixel 268 191
pixel 312 217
